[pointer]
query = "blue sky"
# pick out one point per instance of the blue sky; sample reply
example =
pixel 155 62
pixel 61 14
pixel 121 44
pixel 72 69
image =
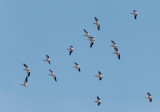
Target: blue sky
pixel 30 29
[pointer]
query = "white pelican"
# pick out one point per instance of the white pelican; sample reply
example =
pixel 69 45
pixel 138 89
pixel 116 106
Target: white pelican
pixel 47 59
pixel 97 23
pixel 77 66
pixel 99 75
pixel 117 52
pixel 27 69
pixel 52 74
pixel 114 44
pixel 98 101
pixel 135 14
pixel 70 50
pixel 92 41
pixel 149 97
pixel 87 34
pixel 25 82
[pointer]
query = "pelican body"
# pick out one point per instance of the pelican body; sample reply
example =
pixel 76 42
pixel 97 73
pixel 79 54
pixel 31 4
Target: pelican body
pixel 92 41
pixel 70 50
pixel 135 14
pixel 52 74
pixel 87 34
pixel 99 75
pixel 77 66
pixel 27 69
pixel 25 82
pixel 97 23
pixel 149 97
pixel 47 59
pixel 117 52
pixel 98 101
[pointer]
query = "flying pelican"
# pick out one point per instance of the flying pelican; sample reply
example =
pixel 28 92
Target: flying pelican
pixel 25 82
pixel 97 23
pixel 47 59
pixel 77 66
pixel 27 69
pixel 99 75
pixel 52 74
pixel 114 44
pixel 70 50
pixel 149 97
pixel 135 14
pixel 98 101
pixel 87 34
pixel 117 52
pixel 92 41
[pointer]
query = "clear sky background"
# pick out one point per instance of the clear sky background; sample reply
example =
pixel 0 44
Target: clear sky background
pixel 30 29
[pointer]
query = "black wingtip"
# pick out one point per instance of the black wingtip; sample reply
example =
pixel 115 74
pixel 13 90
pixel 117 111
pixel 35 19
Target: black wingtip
pixel 28 74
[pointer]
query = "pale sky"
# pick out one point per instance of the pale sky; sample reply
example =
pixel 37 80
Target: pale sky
pixel 30 29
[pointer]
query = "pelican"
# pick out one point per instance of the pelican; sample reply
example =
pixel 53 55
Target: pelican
pixel 98 101
pixel 47 59
pixel 135 14
pixel 99 75
pixel 27 69
pixel 77 66
pixel 52 74
pixel 117 52
pixel 25 82
pixel 114 44
pixel 97 23
pixel 92 41
pixel 70 50
pixel 87 34
pixel 149 97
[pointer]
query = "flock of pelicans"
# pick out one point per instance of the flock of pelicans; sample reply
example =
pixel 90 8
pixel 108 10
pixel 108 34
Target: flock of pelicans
pixel 71 49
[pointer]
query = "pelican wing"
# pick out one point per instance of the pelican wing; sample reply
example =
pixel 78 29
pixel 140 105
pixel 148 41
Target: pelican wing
pixel 91 44
pixel 76 63
pixel 98 26
pixel 148 94
pixel 50 70
pixel 47 56
pixel 150 99
pixel 70 52
pixel 135 16
pixel 55 78
pixel 25 66
pixel 79 69
pixel 28 73
pixel 99 73
pixel 85 31
pixel 98 98
pixel 118 55
pixel 113 42
pixel 26 80
pixel 96 19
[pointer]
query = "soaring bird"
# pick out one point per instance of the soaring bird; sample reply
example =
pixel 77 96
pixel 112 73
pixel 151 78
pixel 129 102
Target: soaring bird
pixel 135 14
pixel 27 69
pixel 87 34
pixel 117 52
pixel 70 50
pixel 98 101
pixel 52 74
pixel 25 82
pixel 99 75
pixel 77 66
pixel 114 45
pixel 92 41
pixel 47 59
pixel 97 23
pixel 149 97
